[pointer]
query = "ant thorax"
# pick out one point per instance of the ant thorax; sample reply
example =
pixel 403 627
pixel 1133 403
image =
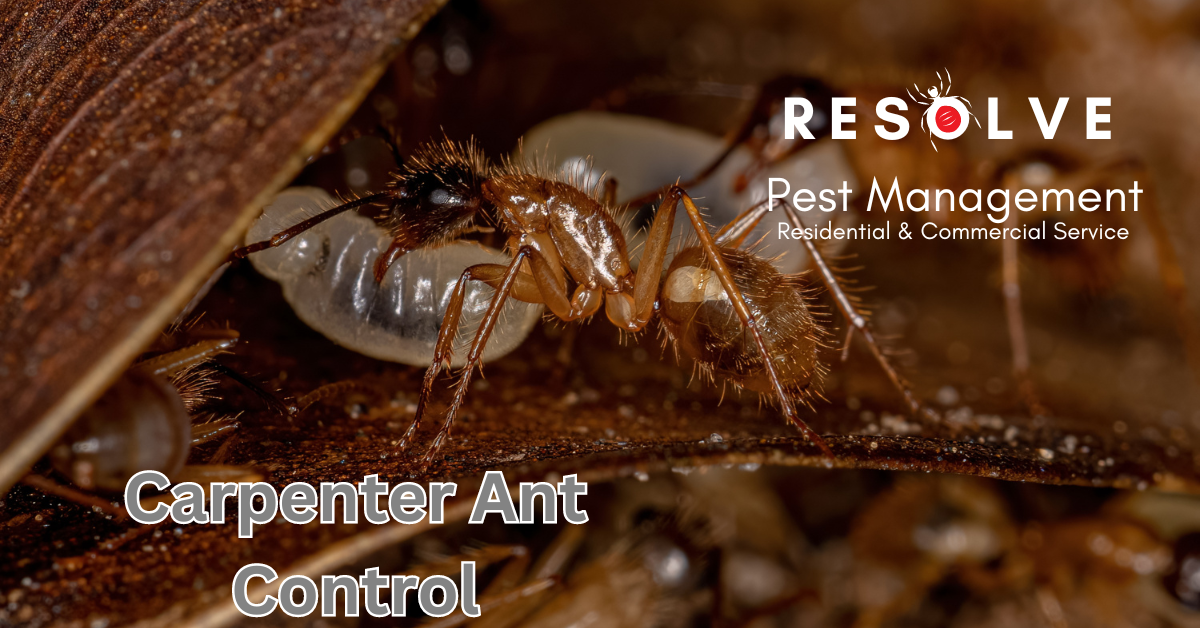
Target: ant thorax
pixel 326 275
pixel 643 154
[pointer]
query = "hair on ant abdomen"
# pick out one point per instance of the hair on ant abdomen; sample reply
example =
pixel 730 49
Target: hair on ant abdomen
pixel 698 316
pixel 568 253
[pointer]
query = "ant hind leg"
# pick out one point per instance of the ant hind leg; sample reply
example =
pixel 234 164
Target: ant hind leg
pixel 1011 282
pixel 858 323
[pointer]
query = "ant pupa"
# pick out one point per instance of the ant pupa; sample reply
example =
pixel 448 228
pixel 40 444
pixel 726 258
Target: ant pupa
pixel 568 253
pixel 151 418
pixel 327 274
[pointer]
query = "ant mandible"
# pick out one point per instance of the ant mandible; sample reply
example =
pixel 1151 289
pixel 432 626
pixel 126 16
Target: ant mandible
pixel 556 229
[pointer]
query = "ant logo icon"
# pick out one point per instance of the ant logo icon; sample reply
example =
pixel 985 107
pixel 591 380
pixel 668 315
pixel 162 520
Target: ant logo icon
pixel 945 116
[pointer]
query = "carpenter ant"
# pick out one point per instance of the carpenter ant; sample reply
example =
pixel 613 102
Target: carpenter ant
pixel 1088 270
pixel 1086 265
pixel 926 529
pixel 148 420
pixel 726 308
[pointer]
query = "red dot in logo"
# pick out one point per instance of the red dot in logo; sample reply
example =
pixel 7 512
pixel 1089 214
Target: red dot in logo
pixel 947 119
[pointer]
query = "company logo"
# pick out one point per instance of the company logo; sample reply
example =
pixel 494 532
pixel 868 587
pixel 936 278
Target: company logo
pixel 945 116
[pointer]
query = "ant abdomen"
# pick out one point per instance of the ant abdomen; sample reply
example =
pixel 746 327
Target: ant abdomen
pixel 327 274
pixel 141 423
pixel 700 319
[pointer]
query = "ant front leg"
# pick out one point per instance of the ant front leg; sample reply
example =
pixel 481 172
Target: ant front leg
pixel 512 281
pixel 858 323
pixel 712 253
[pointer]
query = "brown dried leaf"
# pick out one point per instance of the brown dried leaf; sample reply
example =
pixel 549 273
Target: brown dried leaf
pixel 138 139
pixel 615 411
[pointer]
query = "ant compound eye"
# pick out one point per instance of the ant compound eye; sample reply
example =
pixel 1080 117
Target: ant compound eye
pixel 1183 582
pixel 440 196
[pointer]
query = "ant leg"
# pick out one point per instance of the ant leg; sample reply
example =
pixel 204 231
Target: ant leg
pixel 523 288
pixel 475 356
pixel 501 605
pixel 735 231
pixel 182 317
pixel 713 254
pixel 394 252
pixel 337 389
pixel 174 362
pixel 857 321
pixel 298 228
pixel 50 487
pixel 263 394
pixel 510 600
pixel 1011 286
pixel 203 474
pixel 208 432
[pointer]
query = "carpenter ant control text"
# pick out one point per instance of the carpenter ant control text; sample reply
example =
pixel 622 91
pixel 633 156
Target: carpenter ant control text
pixel 437 595
pixel 299 503
pixel 946 116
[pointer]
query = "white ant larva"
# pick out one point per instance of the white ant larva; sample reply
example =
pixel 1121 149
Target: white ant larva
pixel 647 154
pixel 327 277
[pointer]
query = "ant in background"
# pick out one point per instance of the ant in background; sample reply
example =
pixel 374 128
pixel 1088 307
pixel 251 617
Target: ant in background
pixel 151 418
pixel 1095 265
pixel 725 307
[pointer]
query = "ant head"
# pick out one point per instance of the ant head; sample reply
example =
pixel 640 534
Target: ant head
pixel 436 195
pixel 441 175
pixel 1183 581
